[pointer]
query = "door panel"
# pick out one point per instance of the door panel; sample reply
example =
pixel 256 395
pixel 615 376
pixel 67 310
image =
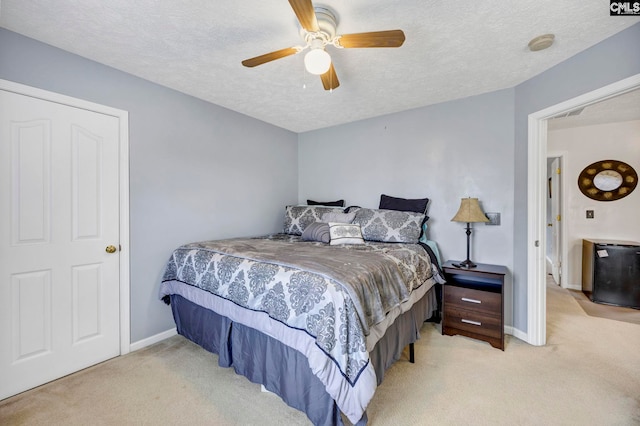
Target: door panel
pixel 85 163
pixel 86 301
pixel 556 197
pixel 31 193
pixel 59 209
pixel 30 314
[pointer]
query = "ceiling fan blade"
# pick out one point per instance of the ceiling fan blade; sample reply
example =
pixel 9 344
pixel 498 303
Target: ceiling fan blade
pixel 391 38
pixel 305 13
pixel 330 79
pixel 271 56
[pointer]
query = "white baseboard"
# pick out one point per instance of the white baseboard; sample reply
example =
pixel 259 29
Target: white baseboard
pixel 516 333
pixel 153 339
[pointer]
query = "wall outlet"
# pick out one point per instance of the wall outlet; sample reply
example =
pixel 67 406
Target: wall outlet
pixel 494 218
pixel 590 214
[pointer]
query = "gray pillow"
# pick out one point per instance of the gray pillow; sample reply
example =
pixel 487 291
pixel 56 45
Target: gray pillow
pixel 297 218
pixel 389 225
pixel 338 217
pixel 317 231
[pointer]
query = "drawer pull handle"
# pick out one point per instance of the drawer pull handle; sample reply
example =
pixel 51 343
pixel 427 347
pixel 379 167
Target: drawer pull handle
pixel 466 321
pixel 465 299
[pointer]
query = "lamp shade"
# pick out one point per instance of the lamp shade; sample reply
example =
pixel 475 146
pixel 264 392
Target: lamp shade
pixel 470 212
pixel 317 61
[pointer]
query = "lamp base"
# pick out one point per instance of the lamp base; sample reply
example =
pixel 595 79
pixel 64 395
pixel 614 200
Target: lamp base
pixel 467 264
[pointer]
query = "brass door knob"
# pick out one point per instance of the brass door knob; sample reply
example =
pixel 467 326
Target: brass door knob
pixel 111 249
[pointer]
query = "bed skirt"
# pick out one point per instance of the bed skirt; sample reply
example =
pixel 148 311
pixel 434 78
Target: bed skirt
pixel 283 370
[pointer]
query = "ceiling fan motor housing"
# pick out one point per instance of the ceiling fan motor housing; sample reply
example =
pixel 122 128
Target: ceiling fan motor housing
pixel 327 23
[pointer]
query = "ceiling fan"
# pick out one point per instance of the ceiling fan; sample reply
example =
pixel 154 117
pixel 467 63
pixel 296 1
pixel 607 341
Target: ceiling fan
pixel 319 30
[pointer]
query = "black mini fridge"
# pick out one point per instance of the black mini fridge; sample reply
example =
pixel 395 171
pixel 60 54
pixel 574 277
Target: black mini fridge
pixel 611 272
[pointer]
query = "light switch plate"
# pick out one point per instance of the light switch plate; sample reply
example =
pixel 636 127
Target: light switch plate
pixel 494 218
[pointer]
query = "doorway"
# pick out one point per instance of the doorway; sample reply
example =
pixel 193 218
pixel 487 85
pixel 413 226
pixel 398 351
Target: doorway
pixel 537 200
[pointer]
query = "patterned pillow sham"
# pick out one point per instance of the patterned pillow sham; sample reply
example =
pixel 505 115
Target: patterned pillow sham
pixel 297 218
pixel 338 217
pixel 317 231
pixel 389 225
pixel 345 233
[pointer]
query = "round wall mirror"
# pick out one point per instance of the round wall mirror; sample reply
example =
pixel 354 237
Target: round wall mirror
pixel 607 180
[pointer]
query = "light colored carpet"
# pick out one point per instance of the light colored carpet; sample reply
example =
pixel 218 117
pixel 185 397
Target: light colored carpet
pixel 617 313
pixel 587 374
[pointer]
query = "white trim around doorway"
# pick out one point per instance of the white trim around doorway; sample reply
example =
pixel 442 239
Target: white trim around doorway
pixel 536 207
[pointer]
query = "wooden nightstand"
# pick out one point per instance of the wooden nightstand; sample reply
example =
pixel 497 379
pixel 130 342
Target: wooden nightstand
pixel 472 303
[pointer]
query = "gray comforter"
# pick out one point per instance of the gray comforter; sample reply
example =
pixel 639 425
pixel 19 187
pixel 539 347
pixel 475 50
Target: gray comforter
pixel 335 294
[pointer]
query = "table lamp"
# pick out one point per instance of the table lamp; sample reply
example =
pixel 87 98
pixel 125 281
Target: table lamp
pixel 469 212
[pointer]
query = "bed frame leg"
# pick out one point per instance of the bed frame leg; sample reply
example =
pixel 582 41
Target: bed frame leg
pixel 412 358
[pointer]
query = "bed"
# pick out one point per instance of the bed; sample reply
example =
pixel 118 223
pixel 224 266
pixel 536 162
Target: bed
pixel 317 322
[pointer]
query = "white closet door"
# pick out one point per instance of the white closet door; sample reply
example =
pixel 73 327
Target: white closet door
pixel 556 230
pixel 59 211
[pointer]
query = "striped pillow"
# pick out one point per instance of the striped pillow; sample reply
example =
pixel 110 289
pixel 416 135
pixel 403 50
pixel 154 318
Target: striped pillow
pixel 317 231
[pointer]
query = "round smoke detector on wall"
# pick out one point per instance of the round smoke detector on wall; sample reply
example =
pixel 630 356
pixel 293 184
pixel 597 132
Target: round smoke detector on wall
pixel 541 42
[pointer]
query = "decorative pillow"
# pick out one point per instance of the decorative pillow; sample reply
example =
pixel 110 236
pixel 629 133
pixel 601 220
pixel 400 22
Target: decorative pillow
pixel 339 203
pixel 297 218
pixel 389 225
pixel 317 231
pixel 339 217
pixel 345 233
pixel 418 205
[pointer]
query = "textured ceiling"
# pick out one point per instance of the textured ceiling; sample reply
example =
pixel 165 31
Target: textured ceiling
pixel 452 49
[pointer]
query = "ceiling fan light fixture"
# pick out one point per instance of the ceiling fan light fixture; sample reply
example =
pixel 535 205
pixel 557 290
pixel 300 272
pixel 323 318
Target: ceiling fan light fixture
pixel 317 61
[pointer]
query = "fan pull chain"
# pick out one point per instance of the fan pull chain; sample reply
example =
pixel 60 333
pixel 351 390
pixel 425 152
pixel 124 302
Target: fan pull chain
pixel 304 77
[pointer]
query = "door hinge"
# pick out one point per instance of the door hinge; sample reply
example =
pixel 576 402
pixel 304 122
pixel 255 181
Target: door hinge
pixel 537 243
pixel 558 171
pixel 558 218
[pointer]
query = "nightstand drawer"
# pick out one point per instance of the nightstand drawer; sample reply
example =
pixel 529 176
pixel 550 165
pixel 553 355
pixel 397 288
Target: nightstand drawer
pixel 473 300
pixel 474 322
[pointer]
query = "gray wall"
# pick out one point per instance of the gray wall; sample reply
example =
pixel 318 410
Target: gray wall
pixel 197 171
pixel 182 148
pixel 614 59
pixel 445 152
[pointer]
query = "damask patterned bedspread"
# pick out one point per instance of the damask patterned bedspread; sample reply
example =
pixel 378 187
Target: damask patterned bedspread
pixel 333 293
